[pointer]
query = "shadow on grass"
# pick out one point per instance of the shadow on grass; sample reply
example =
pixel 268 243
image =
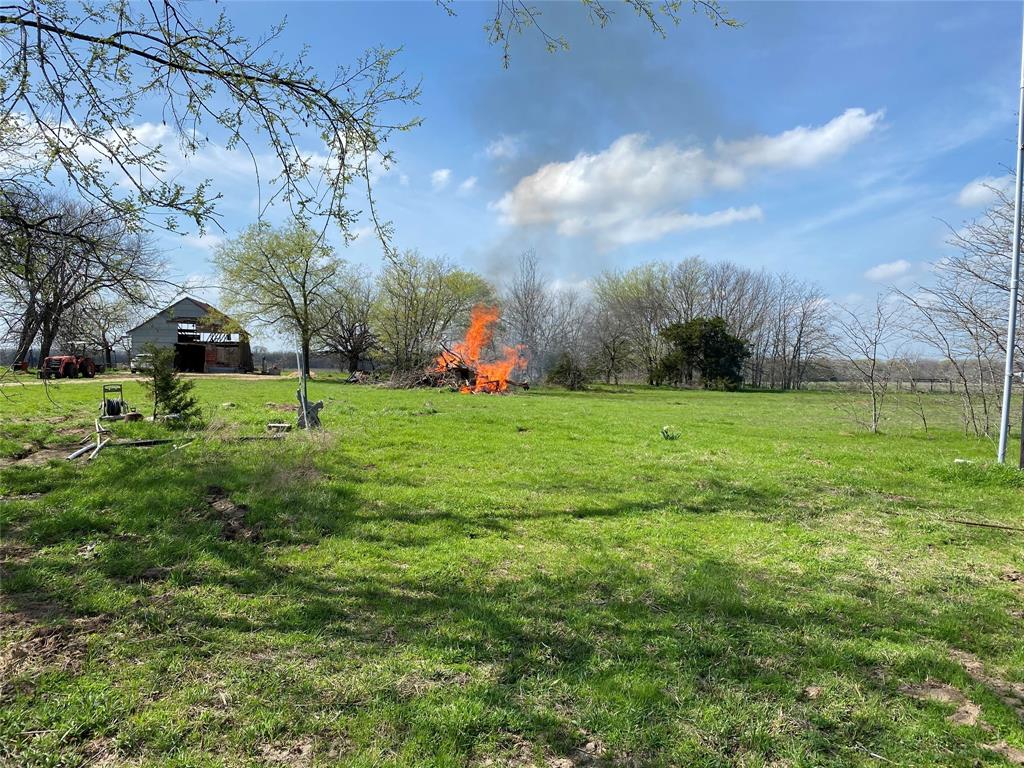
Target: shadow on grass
pixel 700 658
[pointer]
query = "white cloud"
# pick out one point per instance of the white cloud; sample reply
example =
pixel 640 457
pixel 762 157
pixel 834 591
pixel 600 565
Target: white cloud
pixel 439 179
pixel 803 146
pixel 984 191
pixel 207 242
pixel 403 179
pixel 505 147
pixel 632 191
pixel 890 270
pixel 467 186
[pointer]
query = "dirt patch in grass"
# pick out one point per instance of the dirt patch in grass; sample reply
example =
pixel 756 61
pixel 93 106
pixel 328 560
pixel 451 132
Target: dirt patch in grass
pixel 518 752
pixel 967 712
pixel 13 554
pixel 416 684
pixel 234 526
pixel 304 472
pixel 33 456
pixel 1012 755
pixel 29 646
pixel 1011 694
pixel 283 407
pixel 296 754
pixel 21 496
pixel 102 752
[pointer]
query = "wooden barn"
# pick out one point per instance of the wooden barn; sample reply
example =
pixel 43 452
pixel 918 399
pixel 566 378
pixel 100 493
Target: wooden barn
pixel 205 340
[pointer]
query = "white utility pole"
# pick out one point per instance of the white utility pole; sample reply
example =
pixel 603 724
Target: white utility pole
pixel 1011 326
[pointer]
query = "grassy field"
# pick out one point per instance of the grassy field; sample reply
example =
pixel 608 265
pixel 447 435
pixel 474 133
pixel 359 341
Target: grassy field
pixel 542 579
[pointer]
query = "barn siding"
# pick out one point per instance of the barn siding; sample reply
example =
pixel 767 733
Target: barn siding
pixel 160 330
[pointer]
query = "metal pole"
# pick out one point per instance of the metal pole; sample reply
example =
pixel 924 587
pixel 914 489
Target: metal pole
pixel 302 386
pixel 1011 326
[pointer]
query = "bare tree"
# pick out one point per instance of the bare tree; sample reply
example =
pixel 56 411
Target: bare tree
pixel 867 340
pixel 568 328
pixel 514 17
pixel 56 254
pixel 961 312
pixel 612 353
pixel 101 322
pixel 347 330
pixel 526 311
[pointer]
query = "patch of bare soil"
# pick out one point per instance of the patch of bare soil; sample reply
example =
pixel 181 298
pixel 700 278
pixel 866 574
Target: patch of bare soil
pixel 415 684
pixel 1012 755
pixel 296 754
pixel 304 472
pixel 22 496
pixel 517 752
pixel 967 712
pixel 102 752
pixel 29 646
pixel 34 457
pixel 232 516
pixel 284 407
pixel 1012 574
pixel 13 554
pixel 1011 694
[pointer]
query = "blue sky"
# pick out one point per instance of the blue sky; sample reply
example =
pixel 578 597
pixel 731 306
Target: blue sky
pixel 830 140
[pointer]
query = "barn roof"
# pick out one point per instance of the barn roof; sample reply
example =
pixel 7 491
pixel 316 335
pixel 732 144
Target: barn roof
pixel 207 308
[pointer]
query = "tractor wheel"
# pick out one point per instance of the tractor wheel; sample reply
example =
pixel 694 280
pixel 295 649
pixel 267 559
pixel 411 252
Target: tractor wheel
pixel 70 371
pixel 88 370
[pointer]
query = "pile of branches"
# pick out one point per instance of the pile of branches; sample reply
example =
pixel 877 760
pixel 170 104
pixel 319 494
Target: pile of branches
pixel 453 373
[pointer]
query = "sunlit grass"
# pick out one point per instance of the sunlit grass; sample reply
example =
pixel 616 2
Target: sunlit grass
pixel 450 580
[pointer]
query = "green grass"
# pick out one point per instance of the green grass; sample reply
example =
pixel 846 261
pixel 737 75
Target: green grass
pixel 447 580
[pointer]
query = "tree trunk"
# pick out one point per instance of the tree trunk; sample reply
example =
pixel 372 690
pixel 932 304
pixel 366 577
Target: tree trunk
pixel 46 339
pixel 353 362
pixel 26 338
pixel 305 356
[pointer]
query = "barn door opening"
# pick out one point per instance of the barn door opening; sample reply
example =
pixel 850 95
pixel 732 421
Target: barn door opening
pixel 190 358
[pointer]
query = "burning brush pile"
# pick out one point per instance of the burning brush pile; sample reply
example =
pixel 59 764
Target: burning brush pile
pixel 462 367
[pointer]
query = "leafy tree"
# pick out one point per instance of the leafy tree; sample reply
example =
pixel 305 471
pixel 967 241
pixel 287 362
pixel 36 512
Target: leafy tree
pixel 706 347
pixel 171 394
pixel 77 77
pixel 421 301
pixel 638 300
pixel 280 279
pixel 568 372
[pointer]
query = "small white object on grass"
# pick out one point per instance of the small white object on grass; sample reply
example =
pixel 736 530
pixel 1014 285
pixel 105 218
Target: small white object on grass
pixel 668 433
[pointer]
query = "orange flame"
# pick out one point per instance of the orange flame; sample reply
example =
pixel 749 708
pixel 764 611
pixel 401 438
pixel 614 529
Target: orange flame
pixel 490 376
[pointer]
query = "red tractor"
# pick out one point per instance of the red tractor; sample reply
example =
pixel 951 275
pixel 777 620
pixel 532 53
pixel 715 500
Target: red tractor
pixel 69 367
